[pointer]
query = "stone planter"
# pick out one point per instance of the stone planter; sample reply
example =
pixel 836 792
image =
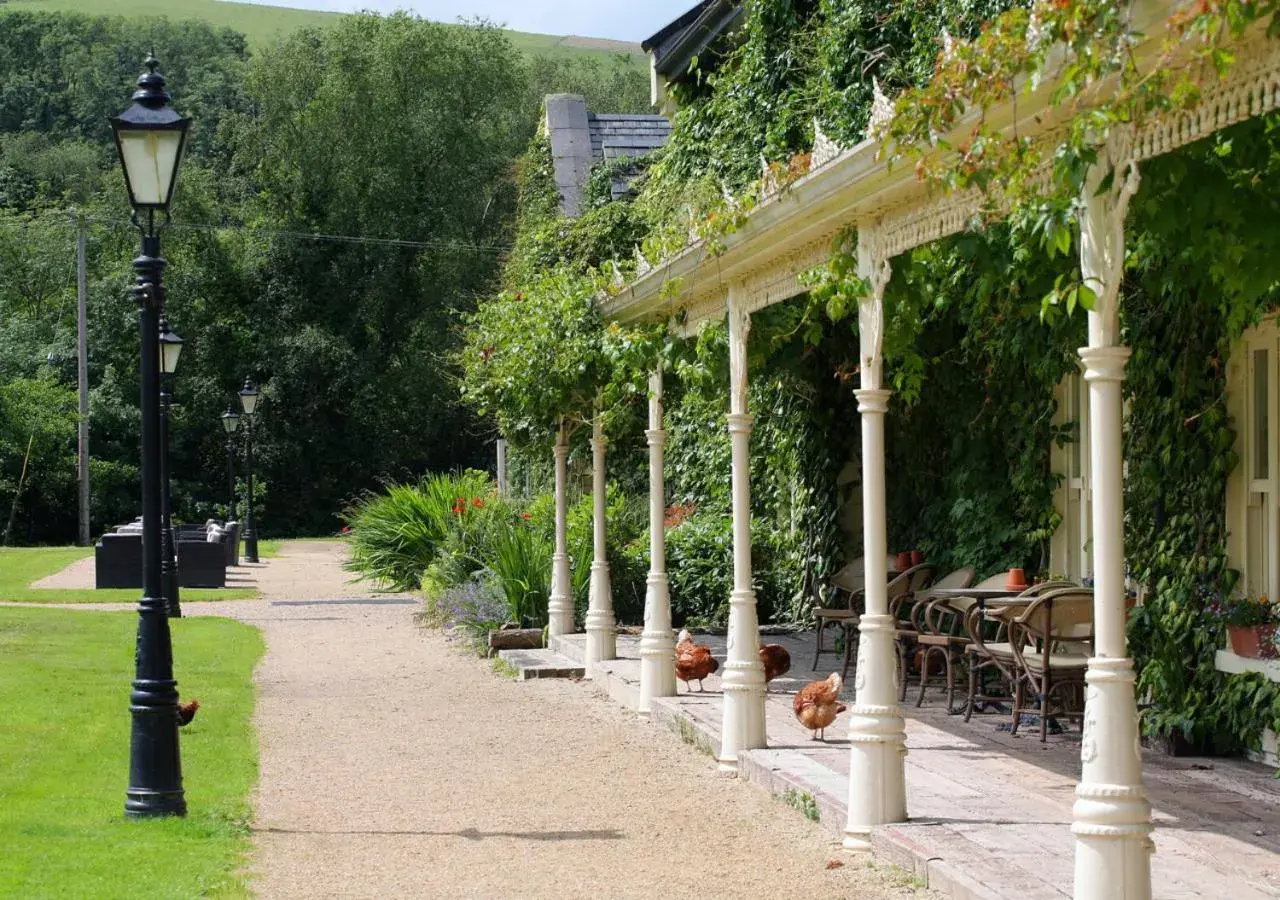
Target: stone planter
pixel 1253 641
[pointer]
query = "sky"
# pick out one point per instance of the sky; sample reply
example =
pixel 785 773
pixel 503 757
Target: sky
pixel 624 20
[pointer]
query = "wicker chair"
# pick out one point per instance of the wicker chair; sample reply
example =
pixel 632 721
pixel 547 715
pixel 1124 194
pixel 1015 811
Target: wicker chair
pixel 1047 639
pixel 849 584
pixel 990 647
pixel 902 592
pixel 939 629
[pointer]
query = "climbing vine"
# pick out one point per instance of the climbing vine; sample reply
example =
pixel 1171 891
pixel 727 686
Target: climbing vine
pixel 978 326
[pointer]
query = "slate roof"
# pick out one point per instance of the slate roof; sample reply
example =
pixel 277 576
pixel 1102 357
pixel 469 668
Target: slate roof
pixel 615 135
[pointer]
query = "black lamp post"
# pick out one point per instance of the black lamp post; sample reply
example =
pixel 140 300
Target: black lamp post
pixel 149 138
pixel 230 422
pixel 170 348
pixel 249 403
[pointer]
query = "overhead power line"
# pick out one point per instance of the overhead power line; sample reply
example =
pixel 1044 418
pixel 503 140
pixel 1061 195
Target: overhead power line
pixel 320 238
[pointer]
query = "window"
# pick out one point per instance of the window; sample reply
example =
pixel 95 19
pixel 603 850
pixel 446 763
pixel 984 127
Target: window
pixel 1071 550
pixel 1253 492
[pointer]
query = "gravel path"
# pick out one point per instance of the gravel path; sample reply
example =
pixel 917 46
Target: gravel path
pixel 395 766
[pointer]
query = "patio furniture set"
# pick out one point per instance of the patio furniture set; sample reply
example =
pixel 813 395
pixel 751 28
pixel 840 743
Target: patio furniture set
pixel 203 554
pixel 1024 646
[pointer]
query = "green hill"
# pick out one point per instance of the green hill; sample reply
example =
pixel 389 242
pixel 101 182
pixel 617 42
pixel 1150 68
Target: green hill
pixel 263 23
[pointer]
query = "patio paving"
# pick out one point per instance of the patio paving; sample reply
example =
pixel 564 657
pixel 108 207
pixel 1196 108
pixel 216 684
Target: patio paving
pixel 990 812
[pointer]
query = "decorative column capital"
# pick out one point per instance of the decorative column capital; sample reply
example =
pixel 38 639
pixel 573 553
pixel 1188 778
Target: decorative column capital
pixel 1104 363
pixel 657 437
pixel 873 400
pixel 740 423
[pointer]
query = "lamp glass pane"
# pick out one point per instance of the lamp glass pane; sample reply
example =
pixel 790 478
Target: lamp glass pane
pixel 229 422
pixel 151 160
pixel 169 352
pixel 249 401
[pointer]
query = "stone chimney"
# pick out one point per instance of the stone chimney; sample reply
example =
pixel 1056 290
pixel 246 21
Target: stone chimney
pixel 570 137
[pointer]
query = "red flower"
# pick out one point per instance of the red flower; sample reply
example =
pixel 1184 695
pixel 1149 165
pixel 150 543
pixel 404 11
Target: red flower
pixel 459 509
pixel 526 515
pixel 477 503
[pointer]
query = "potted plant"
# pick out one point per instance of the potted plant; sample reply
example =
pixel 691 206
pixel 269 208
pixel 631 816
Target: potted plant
pixel 1251 626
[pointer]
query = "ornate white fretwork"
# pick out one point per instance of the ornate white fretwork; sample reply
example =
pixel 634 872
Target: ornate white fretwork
pixel 1102 234
pixel 708 309
pixel 881 112
pixel 873 264
pixel 643 266
pixel 914 225
pixel 824 149
pixel 1250 88
pixel 948 45
pixel 781 281
pixel 769 186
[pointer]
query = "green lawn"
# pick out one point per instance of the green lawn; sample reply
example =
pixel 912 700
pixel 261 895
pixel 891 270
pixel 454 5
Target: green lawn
pixel 261 24
pixel 19 566
pixel 64 747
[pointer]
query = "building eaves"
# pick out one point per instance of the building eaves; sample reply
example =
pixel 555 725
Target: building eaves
pixel 674 47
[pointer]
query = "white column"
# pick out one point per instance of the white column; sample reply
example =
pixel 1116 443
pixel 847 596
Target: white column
pixel 502 467
pixel 657 645
pixel 1111 818
pixel 743 681
pixel 602 629
pixel 560 606
pixel 877 732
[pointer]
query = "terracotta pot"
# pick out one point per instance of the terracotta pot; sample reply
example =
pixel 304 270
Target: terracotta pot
pixel 1253 641
pixel 917 557
pixel 904 561
pixel 1016 580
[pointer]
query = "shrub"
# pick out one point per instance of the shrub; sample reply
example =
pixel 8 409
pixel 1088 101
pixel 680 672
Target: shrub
pixel 518 556
pixel 629 570
pixel 700 570
pixel 396 535
pixel 468 611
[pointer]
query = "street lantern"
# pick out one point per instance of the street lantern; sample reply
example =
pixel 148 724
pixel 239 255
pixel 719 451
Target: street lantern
pixel 170 348
pixel 249 397
pixel 249 401
pixel 230 422
pixel 150 137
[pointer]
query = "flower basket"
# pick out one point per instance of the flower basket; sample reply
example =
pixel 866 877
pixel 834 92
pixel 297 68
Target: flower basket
pixel 1251 625
pixel 1253 641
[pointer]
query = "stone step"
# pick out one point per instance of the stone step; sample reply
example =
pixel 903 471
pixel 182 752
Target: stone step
pixel 541 664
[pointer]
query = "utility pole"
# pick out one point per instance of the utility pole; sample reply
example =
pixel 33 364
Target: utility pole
pixel 82 375
pixel 502 468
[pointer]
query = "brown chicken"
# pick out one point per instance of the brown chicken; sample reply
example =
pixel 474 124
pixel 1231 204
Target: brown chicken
pixel 694 662
pixel 818 703
pixel 776 661
pixel 187 712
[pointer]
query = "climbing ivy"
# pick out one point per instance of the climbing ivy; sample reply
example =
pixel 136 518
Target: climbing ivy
pixel 972 350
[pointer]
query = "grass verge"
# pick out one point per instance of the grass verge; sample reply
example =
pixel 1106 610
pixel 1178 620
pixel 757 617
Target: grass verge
pixel 64 746
pixel 20 566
